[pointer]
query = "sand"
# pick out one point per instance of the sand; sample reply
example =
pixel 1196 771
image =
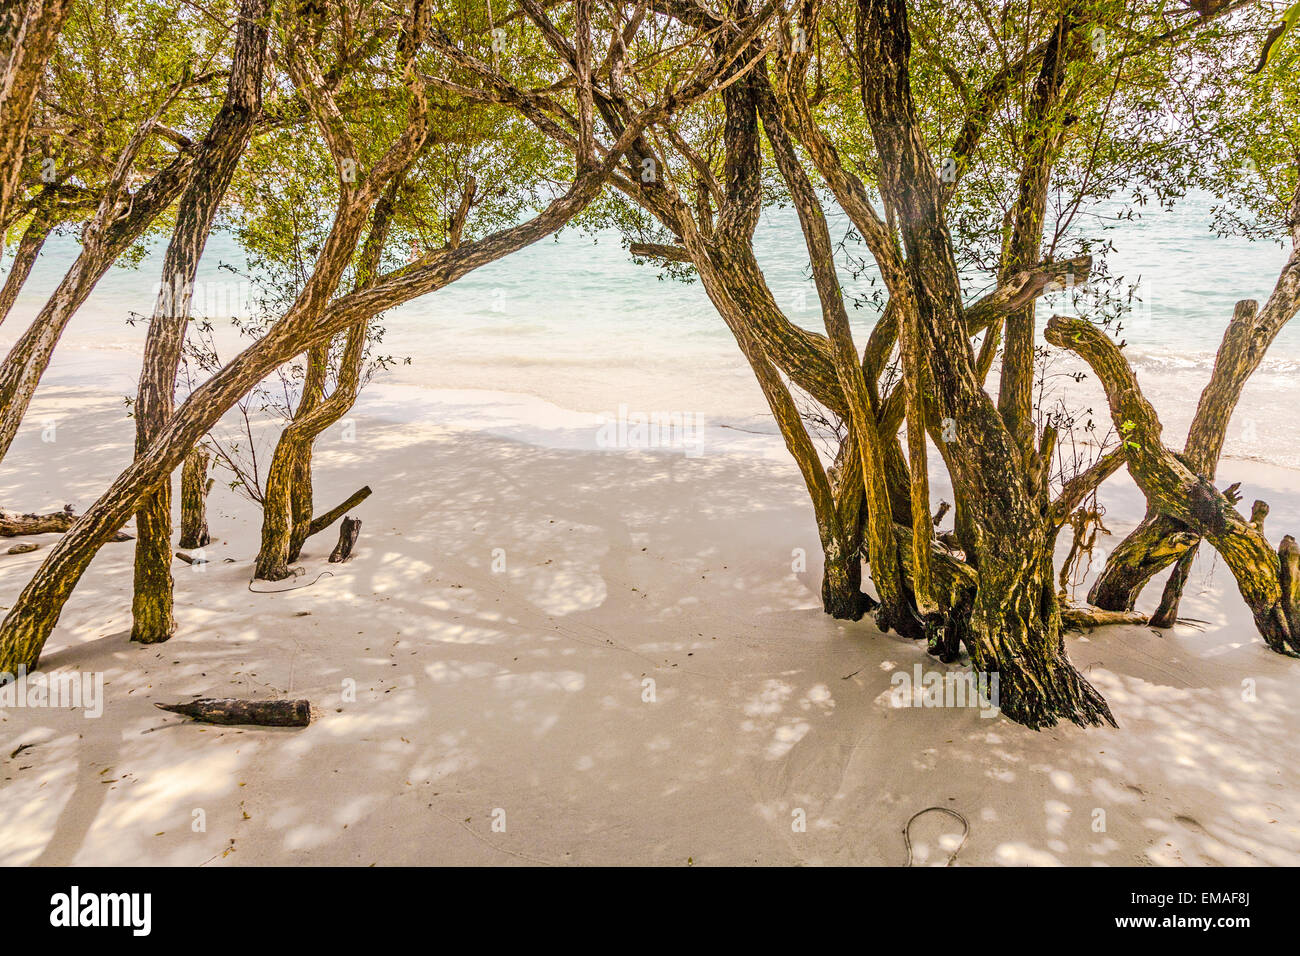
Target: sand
pixel 505 609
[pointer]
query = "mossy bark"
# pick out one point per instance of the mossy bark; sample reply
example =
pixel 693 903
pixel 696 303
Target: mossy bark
pixel 30 34
pixel 1178 492
pixel 287 504
pixel 1161 539
pixel 315 315
pixel 214 166
pixel 1015 627
pixel 195 485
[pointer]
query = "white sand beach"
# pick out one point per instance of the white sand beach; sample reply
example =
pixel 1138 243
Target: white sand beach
pixel 502 714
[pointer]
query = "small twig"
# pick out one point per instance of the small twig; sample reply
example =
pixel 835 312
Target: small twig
pixel 907 837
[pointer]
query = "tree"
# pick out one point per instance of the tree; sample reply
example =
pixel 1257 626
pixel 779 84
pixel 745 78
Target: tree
pixel 110 129
pixel 1047 116
pixel 437 202
pixel 1251 143
pixel 214 162
pixel 318 313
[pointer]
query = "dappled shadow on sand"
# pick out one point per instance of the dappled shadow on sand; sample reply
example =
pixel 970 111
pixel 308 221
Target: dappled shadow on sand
pixel 610 656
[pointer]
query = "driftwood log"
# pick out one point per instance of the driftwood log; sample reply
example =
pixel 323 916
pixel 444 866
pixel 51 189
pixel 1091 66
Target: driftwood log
pixel 1084 618
pixel 12 524
pixel 195 485
pixel 262 713
pixel 348 533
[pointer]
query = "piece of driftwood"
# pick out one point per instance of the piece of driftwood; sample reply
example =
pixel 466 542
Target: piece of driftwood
pixel 321 522
pixel 348 533
pixel 1088 617
pixel 262 713
pixel 190 559
pixel 24 548
pixel 13 524
pixel 944 508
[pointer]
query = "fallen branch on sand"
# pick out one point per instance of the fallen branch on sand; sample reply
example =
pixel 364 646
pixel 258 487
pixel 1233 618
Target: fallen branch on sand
pixel 263 713
pixel 13 524
pixel 1083 618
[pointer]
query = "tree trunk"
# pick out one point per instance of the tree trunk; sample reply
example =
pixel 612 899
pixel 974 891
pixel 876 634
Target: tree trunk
pixel 120 220
pixel 895 610
pixel 287 506
pixel 214 166
pixel 1015 623
pixel 1174 489
pixel 1160 540
pixel 1288 556
pixel 32 31
pixel 195 485
pixel 349 531
pixel 1167 613
pixel 1041 147
pixel 29 248
pixel 288 502
pixel 1157 542
pixel 1016 634
pixel 313 318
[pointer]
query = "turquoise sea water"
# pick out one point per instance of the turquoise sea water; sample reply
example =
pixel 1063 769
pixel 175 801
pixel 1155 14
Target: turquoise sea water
pixel 573 321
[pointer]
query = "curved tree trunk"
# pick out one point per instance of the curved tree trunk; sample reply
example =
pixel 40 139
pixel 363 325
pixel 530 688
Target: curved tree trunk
pixel 288 501
pixel 1157 542
pixel 120 219
pixel 214 166
pixel 1173 488
pixel 1160 539
pixel 29 248
pixel 1042 145
pixel 895 610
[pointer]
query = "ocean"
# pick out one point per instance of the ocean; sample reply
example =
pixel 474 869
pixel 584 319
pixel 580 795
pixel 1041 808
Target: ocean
pixel 572 324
